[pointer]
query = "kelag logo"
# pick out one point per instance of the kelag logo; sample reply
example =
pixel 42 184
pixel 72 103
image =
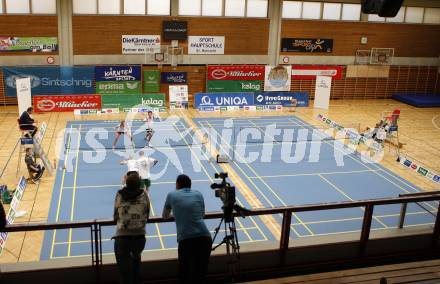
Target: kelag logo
pixel 223 99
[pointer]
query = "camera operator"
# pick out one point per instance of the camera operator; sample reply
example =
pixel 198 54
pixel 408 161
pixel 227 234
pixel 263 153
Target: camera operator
pixel 193 236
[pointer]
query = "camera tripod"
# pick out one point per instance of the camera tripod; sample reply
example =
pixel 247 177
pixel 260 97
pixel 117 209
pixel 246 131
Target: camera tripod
pixel 231 241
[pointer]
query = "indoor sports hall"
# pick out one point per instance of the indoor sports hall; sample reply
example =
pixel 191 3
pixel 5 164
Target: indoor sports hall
pixel 309 130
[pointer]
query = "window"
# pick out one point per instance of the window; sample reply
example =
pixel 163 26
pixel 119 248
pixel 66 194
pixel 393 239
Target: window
pixel 134 7
pixel 332 11
pixel 234 8
pixel 190 7
pixel 85 7
pixel 256 8
pixel 109 7
pixel 399 18
pixel 375 18
pixel 414 15
pixel 351 12
pixel 158 7
pixel 17 7
pixel 44 7
pixel 292 9
pixel 432 16
pixel 311 10
pixel 212 7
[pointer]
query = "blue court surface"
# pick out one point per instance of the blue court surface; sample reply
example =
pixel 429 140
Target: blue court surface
pixel 85 188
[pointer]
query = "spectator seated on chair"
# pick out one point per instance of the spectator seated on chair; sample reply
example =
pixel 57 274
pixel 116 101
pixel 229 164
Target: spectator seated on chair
pixel 26 122
pixel 35 170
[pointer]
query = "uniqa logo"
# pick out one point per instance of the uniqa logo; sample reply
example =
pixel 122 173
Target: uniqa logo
pixel 218 74
pixel 206 101
pixel 10 80
pixel 260 98
pixel 46 105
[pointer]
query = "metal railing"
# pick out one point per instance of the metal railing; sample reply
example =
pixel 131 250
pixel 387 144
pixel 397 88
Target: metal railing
pixel 96 225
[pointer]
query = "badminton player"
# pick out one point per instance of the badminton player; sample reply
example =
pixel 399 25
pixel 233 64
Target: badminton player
pixel 149 131
pixel 121 129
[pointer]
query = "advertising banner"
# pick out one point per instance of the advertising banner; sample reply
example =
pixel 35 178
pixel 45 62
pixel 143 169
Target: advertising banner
pixel 309 72
pixel 207 100
pixel 118 73
pixel 66 103
pixel 51 80
pixel 151 81
pixel 415 166
pixel 307 45
pixel 229 86
pixel 236 72
pixel 206 45
pixel 119 87
pixel 24 98
pixel 178 96
pixel 322 92
pixel 175 30
pixel 173 77
pixel 278 78
pixel 140 44
pixel 282 98
pixel 10 217
pixel 155 101
pixel 28 44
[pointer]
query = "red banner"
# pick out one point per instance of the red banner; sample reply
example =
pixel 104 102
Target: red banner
pixel 236 72
pixel 309 72
pixel 66 103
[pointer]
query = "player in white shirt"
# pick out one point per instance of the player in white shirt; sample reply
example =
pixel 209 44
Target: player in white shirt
pixel 144 164
pixel 132 165
pixel 149 131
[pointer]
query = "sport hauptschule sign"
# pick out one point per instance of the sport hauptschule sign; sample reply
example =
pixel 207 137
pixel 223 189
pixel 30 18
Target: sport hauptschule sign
pixel 118 73
pixel 140 44
pixel 306 45
pixel 236 72
pixel 206 45
pixel 173 77
pixel 28 44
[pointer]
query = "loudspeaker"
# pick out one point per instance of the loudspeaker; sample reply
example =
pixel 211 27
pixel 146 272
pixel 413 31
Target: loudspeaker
pixel 384 8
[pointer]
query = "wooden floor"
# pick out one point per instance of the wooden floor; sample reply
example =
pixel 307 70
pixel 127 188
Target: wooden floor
pixel 397 273
pixel 421 138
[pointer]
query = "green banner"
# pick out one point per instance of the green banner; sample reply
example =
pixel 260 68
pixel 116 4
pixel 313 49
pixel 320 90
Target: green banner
pixel 118 87
pixel 226 86
pixel 151 81
pixel 28 44
pixel 125 102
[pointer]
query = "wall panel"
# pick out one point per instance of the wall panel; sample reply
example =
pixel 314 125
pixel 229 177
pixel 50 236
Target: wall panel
pixel 102 34
pixel 407 40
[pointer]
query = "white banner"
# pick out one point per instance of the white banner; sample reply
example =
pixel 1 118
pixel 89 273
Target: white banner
pixel 23 94
pixel 140 44
pixel 178 96
pixel 206 45
pixel 278 78
pixel 322 91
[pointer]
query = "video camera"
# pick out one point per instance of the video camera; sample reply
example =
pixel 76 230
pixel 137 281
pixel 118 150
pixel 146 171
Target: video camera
pixel 226 192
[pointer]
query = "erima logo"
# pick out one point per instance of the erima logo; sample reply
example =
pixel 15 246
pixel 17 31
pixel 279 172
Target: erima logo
pixel 260 98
